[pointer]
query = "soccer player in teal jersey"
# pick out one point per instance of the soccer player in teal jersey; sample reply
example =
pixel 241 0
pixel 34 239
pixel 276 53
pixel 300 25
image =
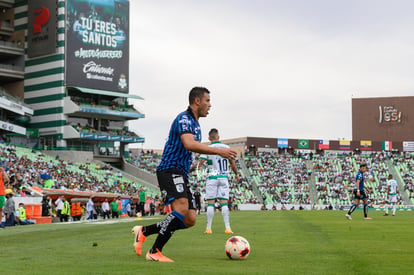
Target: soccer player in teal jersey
pixel 172 174
pixel 359 193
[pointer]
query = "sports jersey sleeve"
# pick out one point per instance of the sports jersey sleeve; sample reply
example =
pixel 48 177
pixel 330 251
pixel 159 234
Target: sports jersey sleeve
pixel 184 125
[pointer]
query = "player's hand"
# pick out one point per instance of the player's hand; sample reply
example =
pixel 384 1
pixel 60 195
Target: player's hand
pixel 228 153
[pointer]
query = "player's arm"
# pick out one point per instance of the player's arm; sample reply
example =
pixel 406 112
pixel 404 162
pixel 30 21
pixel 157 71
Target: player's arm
pixel 194 146
pixel 357 186
pixel 234 168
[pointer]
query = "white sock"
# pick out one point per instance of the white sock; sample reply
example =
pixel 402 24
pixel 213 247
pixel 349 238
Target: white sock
pixel 226 215
pixel 394 208
pixel 210 215
pixel 386 209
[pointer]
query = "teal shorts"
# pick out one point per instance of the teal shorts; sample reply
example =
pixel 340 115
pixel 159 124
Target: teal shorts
pixel 2 201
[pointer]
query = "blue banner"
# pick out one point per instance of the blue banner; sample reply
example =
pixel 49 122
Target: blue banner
pixel 106 137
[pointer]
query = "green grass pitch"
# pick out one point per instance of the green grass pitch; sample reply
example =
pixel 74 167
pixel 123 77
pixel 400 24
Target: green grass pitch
pixel 282 242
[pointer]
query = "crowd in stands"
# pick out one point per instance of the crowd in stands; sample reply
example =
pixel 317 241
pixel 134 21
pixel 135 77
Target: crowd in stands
pixel 145 160
pixel 111 105
pixel 240 192
pixel 27 168
pixel 268 177
pixel 335 177
pixel 405 167
pixel 280 178
pixel 329 179
pixel 103 130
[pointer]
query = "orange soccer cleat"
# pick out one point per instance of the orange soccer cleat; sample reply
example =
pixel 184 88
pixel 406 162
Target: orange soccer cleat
pixel 139 238
pixel 158 257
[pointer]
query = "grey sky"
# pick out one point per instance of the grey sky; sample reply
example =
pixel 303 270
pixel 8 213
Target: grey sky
pixel 275 68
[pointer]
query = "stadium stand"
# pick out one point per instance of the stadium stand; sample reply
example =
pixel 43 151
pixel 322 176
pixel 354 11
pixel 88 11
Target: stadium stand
pixel 28 168
pixel 280 179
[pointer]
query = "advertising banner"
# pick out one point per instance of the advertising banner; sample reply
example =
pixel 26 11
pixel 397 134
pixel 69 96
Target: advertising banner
pixel 97 43
pixel 108 137
pixel 41 29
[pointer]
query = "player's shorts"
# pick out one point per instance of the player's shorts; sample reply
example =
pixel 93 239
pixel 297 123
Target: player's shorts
pixel 2 201
pixel 217 189
pixel 362 195
pixel 392 198
pixel 174 185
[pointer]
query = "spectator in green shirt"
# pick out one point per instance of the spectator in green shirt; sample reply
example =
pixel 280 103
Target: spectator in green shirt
pixel 114 208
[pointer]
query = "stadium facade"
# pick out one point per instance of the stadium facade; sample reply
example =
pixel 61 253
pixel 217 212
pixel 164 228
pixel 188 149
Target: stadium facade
pixel 68 66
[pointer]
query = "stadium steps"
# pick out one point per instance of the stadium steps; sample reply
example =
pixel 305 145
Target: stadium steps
pixel 248 178
pixel 398 177
pixel 311 182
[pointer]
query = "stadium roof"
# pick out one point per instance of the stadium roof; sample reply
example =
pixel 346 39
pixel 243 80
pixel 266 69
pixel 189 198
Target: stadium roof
pixel 102 92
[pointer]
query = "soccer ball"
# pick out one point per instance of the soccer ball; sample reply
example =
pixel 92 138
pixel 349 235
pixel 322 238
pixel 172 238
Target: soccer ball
pixel 237 248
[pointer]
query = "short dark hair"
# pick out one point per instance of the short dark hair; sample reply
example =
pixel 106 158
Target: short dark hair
pixel 362 165
pixel 197 92
pixel 213 134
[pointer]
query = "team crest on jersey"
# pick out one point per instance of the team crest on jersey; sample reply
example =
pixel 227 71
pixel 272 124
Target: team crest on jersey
pixel 185 123
pixel 179 182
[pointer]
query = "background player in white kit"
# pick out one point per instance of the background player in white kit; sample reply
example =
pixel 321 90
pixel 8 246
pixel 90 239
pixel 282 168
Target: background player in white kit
pixel 392 195
pixel 217 183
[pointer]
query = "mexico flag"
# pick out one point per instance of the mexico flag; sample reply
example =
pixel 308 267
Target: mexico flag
pixel 387 145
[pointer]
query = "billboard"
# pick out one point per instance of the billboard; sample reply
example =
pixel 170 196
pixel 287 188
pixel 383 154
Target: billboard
pixel 383 118
pixel 41 30
pixel 97 44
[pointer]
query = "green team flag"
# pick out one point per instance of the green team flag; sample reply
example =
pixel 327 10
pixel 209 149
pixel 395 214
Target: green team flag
pixel 303 143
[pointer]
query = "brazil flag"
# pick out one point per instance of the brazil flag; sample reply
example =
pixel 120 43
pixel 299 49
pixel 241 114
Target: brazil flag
pixel 303 143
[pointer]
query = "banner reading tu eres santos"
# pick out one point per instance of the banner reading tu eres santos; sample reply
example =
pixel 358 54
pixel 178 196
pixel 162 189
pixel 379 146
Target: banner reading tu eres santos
pixel 97 43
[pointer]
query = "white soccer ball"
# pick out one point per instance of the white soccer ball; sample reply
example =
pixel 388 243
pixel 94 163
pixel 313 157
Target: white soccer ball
pixel 237 248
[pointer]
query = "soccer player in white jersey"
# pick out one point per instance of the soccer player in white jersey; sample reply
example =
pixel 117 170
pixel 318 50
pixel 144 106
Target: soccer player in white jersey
pixel 392 195
pixel 217 183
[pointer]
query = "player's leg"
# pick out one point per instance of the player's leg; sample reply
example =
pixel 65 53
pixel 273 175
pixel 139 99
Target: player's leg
pixel 386 209
pixel 353 207
pixel 183 216
pixel 1 217
pixel 180 218
pixel 366 209
pixel 223 191
pixel 394 205
pixel 226 216
pixel 211 195
pixel 173 186
pixel 210 215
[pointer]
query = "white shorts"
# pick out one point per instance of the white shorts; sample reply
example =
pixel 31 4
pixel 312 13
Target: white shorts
pixel 392 198
pixel 217 189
